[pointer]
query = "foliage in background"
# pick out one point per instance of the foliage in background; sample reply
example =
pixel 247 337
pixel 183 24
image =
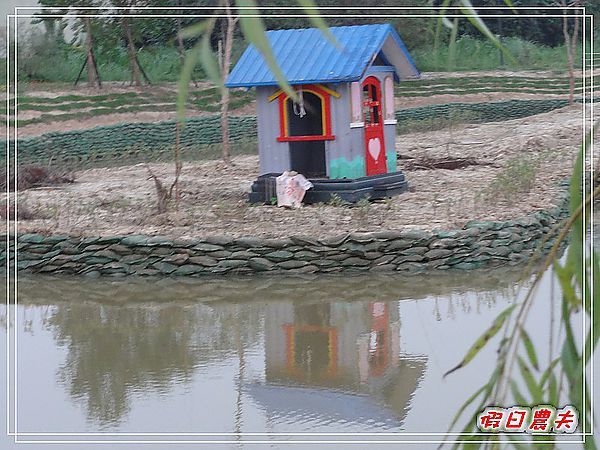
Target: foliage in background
pixel 535 43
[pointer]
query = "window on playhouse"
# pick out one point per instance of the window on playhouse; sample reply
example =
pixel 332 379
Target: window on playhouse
pixel 307 119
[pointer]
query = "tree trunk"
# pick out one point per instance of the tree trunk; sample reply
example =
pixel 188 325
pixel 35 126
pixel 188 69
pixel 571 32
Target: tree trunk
pixel 92 69
pixel 570 47
pixel 136 76
pixel 225 66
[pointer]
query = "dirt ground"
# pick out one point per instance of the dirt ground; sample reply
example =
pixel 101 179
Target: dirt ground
pixel 213 197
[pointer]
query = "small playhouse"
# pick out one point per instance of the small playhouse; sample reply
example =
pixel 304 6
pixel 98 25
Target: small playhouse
pixel 340 132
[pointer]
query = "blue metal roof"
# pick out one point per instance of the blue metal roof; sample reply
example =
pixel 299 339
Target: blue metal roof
pixel 307 56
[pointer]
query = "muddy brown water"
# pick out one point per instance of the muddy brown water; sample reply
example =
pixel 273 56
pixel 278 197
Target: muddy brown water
pixel 263 359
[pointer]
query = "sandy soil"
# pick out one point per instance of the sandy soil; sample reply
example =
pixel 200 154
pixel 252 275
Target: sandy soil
pixel 213 196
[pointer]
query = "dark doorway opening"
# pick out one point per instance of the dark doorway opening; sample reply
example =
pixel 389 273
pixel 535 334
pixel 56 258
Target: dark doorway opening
pixel 307 157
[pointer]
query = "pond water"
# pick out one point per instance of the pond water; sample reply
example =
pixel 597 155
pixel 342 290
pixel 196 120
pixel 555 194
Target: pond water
pixel 202 359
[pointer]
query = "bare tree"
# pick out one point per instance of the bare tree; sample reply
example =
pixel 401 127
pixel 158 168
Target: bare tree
pixel 164 194
pixel 90 63
pixel 136 75
pixel 570 43
pixel 230 25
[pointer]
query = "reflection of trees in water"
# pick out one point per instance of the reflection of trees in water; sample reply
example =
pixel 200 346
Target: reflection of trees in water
pixel 118 352
pixel 125 338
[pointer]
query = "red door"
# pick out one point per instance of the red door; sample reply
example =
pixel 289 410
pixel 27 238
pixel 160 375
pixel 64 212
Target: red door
pixel 374 141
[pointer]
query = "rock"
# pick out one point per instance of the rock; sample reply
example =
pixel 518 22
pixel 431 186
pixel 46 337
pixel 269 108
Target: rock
pixel 399 244
pixel 221 254
pixel 416 235
pixel 354 261
pixel 40 249
pixel 372 255
pixel 361 238
pixel 438 253
pixel 277 243
pixel 261 264
pixel 444 243
pixel 206 261
pixel 208 247
pixel 110 239
pixel 448 234
pixel 243 255
pixel 134 240
pixel 383 260
pixel 31 238
pixel 339 257
pixel 279 255
pixel 119 249
pixel 516 247
pixel 231 263
pixel 334 241
pixel 467 265
pixel 91 260
pixel 306 269
pixel 352 248
pixel 185 242
pixel 410 267
pixel 248 242
pixel 92 274
pixel 409 258
pixel 436 263
pixel 159 241
pixel 106 254
pixel 415 251
pixel 304 240
pixel 188 269
pixel 305 255
pixel 219 240
pixel 325 263
pixel 292 264
pixel 384 268
pixel 177 259
pixel 164 267
pixel 387 235
pixel 133 258
pixel 375 246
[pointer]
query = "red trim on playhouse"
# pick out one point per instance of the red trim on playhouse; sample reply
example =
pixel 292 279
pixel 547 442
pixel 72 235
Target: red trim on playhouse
pixel 306 138
pixel 325 96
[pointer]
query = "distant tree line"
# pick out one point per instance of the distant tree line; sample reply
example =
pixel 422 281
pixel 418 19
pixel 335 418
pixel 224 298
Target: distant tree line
pixel 121 34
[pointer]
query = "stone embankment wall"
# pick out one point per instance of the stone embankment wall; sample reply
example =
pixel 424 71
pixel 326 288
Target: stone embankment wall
pixel 478 244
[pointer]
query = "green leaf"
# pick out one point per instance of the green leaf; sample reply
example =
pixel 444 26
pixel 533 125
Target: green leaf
pixel 565 277
pixel 517 442
pixel 519 398
pixel 194 30
pixel 191 60
pixel 254 30
pixel 468 10
pixel 548 372
pixel 310 9
pixel 535 391
pixel 208 59
pixel 529 348
pixel 510 4
pixel 553 390
pixel 483 339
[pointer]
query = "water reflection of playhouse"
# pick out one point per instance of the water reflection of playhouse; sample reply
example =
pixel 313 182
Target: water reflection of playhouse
pixel 341 130
pixel 353 348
